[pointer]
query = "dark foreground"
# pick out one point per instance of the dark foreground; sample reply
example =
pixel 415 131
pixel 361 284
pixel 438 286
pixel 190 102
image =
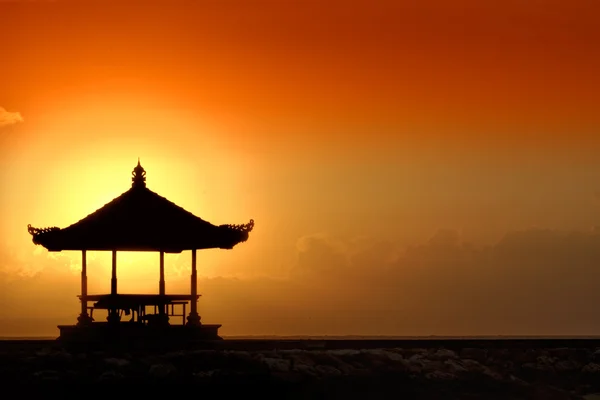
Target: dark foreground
pixel 419 369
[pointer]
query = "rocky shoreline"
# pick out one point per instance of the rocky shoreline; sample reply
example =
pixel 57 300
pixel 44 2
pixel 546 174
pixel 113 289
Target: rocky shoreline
pixel 468 373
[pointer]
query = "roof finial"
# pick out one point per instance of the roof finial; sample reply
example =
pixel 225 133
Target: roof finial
pixel 139 176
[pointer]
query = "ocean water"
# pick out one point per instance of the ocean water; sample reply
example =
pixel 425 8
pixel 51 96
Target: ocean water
pixel 354 337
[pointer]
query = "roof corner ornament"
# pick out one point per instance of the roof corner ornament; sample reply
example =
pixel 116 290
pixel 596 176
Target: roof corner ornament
pixel 139 176
pixel 36 232
pixel 243 228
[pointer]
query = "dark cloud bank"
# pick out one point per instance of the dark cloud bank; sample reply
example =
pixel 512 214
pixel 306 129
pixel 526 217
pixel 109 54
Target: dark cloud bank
pixel 535 281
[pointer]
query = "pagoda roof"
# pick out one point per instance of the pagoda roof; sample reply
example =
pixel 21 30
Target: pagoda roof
pixel 141 220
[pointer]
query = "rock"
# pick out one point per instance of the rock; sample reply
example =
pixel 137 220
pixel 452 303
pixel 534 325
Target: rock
pixel 440 376
pixel 324 357
pixel 46 351
pixel 591 368
pixel 117 362
pixel 204 376
pixel 418 357
pixel 521 357
pixel 407 353
pixel 471 365
pixel 238 359
pixel 432 365
pixel 110 376
pixel 398 367
pixel 516 373
pixel 72 374
pixel 47 375
pixel 291 351
pixel 495 375
pixel 150 361
pixel 476 367
pixel 362 373
pixel 345 368
pixel 582 355
pixel 339 363
pixel 201 353
pixel 277 364
pixel 30 360
pixel 546 360
pixel 205 373
pixel 302 358
pixel 271 354
pixel 288 377
pixel 498 354
pixel 344 352
pixel 414 367
pixel 57 356
pixel 162 371
pixel 583 389
pixel 238 353
pixel 536 367
pixel 444 354
pixel 546 392
pixel 503 365
pixel 357 364
pixel 455 366
pixel 563 353
pixel 474 353
pixel 385 354
pixel 372 360
pixel 327 370
pixel 175 354
pixel 517 380
pixel 415 364
pixel 567 366
pixel 595 356
pixel 536 372
pixel 304 369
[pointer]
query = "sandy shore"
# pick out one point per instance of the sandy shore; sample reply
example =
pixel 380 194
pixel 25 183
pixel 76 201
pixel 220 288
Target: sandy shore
pixel 461 373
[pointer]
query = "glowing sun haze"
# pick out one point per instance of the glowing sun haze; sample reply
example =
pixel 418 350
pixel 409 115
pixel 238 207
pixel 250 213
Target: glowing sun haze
pixel 413 167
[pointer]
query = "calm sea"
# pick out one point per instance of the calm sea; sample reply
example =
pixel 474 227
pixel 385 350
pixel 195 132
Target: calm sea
pixel 352 337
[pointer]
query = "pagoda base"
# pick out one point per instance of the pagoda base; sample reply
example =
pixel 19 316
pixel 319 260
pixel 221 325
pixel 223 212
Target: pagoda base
pixel 135 334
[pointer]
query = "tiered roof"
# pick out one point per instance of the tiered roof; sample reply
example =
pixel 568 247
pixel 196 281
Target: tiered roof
pixel 141 220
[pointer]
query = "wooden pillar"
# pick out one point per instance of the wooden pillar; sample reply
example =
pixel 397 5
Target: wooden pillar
pixel 194 318
pixel 113 279
pixel 84 319
pixel 83 283
pixel 161 284
pixel 194 284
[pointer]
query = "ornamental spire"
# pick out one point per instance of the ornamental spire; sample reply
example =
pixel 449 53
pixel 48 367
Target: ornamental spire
pixel 139 176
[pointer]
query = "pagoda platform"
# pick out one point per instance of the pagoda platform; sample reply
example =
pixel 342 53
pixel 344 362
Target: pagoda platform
pixel 133 333
pixel 160 324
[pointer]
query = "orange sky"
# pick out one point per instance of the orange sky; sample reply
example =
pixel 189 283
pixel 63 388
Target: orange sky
pixel 347 121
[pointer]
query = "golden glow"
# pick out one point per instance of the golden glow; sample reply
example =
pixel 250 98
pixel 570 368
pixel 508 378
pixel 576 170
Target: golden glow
pixel 388 121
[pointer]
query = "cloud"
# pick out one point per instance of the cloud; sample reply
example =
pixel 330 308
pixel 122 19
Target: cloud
pixel 9 118
pixel 533 281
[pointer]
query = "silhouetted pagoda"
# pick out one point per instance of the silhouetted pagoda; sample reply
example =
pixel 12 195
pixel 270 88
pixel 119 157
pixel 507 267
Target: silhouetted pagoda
pixel 140 220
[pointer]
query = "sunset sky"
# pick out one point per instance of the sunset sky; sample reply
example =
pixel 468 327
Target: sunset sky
pixel 413 167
